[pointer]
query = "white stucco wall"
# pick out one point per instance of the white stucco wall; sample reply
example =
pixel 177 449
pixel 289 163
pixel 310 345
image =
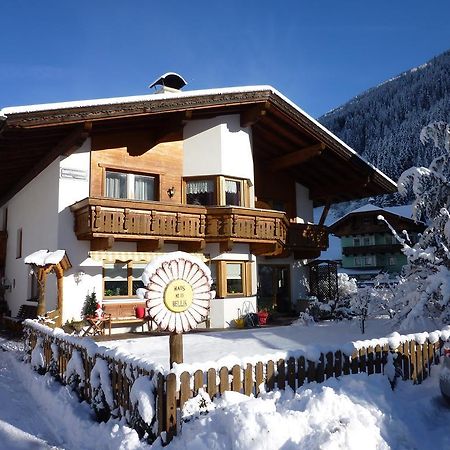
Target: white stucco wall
pixel 213 146
pixel 72 190
pixel 34 209
pixel 305 211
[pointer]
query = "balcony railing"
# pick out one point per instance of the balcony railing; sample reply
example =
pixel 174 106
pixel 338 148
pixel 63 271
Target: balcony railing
pixel 132 220
pixel 125 219
pixel 308 238
pixel 3 237
pixel 245 224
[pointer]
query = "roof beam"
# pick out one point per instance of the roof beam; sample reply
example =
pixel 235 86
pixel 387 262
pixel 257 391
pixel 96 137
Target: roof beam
pixel 252 115
pixel 65 146
pixel 297 157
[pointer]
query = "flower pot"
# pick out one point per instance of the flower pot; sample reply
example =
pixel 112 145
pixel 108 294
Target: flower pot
pixel 140 312
pixel 262 317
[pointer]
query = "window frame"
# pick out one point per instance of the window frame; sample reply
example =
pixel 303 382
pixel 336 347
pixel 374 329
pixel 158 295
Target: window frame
pixel 219 187
pixel 129 280
pixel 130 174
pixel 221 279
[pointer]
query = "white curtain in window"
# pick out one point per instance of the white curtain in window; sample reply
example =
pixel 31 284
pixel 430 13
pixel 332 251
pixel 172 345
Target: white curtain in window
pixel 231 186
pixel 234 271
pixel 144 188
pixel 199 186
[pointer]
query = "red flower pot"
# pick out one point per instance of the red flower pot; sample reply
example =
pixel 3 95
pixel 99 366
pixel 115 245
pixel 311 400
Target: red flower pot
pixel 262 317
pixel 140 312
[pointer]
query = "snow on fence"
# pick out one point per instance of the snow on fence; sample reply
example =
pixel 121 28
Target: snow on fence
pixel 111 390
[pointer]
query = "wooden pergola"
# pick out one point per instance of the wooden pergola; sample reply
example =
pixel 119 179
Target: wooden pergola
pixel 42 268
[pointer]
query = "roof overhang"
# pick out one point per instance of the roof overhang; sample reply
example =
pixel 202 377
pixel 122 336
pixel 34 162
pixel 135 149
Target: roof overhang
pixel 35 135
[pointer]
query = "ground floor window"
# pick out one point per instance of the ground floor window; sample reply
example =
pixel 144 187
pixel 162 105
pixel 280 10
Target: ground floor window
pixel 122 279
pixel 232 278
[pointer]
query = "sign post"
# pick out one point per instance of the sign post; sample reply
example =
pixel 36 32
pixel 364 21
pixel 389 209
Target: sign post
pixel 177 293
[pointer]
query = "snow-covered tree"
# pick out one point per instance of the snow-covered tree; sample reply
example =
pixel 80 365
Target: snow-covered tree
pixel 425 293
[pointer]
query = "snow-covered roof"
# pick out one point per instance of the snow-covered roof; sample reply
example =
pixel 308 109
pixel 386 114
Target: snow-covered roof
pixel 44 257
pixel 180 95
pixel 402 211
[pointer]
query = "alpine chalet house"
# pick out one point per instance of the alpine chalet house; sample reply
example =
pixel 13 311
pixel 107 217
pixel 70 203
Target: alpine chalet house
pixel 369 246
pixel 230 175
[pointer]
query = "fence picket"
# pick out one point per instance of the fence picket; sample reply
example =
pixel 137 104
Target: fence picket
pixel 259 376
pixel 270 375
pixel 311 371
pixel 236 382
pixel 212 383
pixel 171 406
pixel 185 389
pixel 281 376
pixel 224 380
pixel 329 366
pixel 291 373
pixel 337 363
pixel 248 380
pixel 419 363
pixel 413 361
pixel 198 381
pixel 370 361
pixel 301 371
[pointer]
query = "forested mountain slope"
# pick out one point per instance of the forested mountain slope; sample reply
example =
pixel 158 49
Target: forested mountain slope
pixel 383 124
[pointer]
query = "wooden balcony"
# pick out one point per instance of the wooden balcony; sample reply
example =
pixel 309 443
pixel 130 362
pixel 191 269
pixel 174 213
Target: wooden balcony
pixel 151 223
pixel 3 238
pixel 307 240
pixel 265 230
pixel 131 220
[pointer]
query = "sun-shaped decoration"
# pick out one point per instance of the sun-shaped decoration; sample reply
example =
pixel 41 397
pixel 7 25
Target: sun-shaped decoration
pixel 177 290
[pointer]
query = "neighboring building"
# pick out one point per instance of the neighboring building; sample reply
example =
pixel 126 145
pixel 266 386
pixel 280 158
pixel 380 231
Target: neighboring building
pixel 368 245
pixel 228 174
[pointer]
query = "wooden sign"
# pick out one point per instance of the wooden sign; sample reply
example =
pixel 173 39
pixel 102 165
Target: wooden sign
pixel 178 291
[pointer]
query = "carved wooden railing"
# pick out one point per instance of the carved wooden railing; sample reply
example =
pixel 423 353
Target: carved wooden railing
pixel 3 238
pixel 125 219
pixel 245 224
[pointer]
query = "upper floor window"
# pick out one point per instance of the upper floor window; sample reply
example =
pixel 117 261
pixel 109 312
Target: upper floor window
pixel 130 185
pixel 233 192
pixel 216 190
pixel 201 192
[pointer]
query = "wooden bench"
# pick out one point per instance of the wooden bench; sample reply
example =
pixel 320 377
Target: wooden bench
pixel 124 313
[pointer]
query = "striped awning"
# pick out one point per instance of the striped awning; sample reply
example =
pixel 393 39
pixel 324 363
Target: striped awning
pixel 109 256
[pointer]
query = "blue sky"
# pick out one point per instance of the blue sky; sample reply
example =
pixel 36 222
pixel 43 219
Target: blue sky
pixel 318 53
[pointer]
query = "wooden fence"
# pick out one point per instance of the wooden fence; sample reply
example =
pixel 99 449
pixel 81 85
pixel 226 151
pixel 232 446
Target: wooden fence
pixel 412 360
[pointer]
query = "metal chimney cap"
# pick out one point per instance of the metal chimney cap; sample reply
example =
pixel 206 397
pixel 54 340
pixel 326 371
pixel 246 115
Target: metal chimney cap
pixel 170 80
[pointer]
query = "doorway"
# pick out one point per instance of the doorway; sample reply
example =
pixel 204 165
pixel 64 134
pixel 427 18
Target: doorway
pixel 274 287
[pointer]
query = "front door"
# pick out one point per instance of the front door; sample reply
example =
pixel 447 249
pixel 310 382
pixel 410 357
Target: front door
pixel 274 287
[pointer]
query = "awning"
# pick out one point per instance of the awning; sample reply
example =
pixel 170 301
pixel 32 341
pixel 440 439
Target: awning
pixel 108 256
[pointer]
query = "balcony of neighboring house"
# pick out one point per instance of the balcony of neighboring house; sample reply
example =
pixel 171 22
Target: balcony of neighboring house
pixel 3 238
pixel 371 249
pixel 307 240
pixel 151 223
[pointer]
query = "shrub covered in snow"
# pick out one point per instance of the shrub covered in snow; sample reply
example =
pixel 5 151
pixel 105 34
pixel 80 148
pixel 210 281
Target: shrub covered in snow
pixel 424 293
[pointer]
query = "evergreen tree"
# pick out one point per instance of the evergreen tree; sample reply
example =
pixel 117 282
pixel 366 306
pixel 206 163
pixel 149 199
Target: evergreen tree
pixel 90 304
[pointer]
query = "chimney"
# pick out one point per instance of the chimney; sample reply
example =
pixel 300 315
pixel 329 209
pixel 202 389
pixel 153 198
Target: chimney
pixel 170 82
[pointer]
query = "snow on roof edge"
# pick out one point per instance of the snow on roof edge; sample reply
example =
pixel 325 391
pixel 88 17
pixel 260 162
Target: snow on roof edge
pixel 201 92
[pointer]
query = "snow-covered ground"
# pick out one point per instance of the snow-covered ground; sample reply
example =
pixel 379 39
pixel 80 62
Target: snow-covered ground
pixel 226 348
pixel 353 412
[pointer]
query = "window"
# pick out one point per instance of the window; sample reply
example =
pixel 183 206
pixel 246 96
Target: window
pixel 391 239
pixel 129 185
pixel 362 261
pixel 391 261
pixel 356 242
pixel 232 278
pixel 217 190
pixel 201 192
pixel 19 243
pixel 233 192
pixel 121 279
pixel 234 274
